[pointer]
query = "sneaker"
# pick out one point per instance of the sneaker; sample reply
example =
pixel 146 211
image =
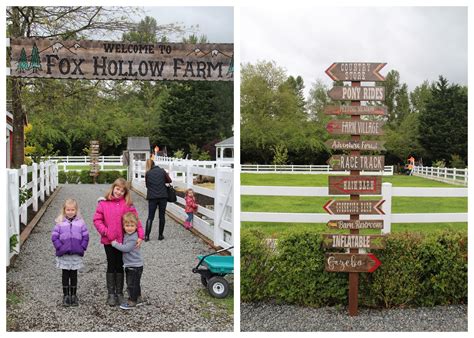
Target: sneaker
pixel 141 301
pixel 128 305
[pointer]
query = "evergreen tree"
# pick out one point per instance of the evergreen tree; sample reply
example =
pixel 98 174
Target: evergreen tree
pixel 23 62
pixel 35 63
pixel 443 125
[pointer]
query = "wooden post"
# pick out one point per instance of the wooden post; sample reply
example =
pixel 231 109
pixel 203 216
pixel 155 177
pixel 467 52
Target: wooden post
pixel 354 276
pixel 41 192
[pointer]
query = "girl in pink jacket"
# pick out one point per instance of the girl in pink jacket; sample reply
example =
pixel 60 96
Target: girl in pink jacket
pixel 108 222
pixel 190 209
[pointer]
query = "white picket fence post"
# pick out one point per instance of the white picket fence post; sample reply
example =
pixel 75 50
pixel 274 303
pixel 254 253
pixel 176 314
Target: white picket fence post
pixel 34 190
pixel 41 181
pixel 13 211
pixel 24 189
pixel 387 207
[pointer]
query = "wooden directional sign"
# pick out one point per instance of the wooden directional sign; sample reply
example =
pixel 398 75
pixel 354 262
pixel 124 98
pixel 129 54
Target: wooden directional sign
pixel 348 162
pixel 355 224
pixel 355 145
pixel 357 93
pixel 355 185
pixel 348 262
pixel 354 207
pixel 355 110
pixel 354 241
pixel 350 127
pixel 355 71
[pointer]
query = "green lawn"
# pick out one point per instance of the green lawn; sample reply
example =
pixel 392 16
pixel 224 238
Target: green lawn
pixel 300 204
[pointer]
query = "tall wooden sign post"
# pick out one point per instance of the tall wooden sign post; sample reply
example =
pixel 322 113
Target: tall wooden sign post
pixel 94 159
pixel 355 185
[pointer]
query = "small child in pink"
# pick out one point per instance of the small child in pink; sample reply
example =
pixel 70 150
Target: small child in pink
pixel 190 209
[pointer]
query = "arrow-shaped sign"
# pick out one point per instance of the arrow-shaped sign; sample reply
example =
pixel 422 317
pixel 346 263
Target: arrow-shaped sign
pixel 355 185
pixel 355 224
pixel 348 162
pixel 355 71
pixel 350 127
pixel 355 110
pixel 355 145
pixel 348 262
pixel 357 93
pixel 354 241
pixel 354 207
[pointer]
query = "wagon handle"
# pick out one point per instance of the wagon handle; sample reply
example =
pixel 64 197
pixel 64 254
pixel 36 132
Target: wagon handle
pixel 213 253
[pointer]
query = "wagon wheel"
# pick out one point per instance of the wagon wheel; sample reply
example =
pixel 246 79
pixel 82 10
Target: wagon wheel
pixel 204 280
pixel 218 287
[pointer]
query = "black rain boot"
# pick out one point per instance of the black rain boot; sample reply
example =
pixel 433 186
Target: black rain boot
pixel 74 299
pixel 66 296
pixel 110 277
pixel 149 223
pixel 119 288
pixel 160 232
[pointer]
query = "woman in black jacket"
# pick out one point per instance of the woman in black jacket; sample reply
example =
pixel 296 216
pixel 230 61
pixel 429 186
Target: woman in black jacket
pixel 157 196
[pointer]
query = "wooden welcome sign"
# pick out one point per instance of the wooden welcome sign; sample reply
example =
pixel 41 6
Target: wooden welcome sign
pixel 111 60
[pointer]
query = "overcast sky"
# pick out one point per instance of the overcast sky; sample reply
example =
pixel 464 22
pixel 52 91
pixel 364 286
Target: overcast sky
pixel 421 43
pixel 217 23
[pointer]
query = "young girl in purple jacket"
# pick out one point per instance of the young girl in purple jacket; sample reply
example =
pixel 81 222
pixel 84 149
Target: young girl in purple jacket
pixel 70 239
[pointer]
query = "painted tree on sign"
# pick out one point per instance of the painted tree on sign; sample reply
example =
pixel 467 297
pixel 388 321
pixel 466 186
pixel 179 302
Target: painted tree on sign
pixel 35 63
pixel 23 62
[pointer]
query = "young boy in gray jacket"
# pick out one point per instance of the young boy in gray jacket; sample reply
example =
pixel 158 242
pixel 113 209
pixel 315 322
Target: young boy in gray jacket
pixel 132 259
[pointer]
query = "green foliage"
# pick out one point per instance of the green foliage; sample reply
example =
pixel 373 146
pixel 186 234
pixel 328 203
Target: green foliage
pixel 178 153
pixel 255 266
pixel 416 270
pixel 457 162
pixel 443 125
pixel 280 154
pixel 439 164
pixel 13 243
pixel 298 275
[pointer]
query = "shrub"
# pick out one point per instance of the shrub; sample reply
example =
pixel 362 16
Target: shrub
pixel 416 270
pixel 255 266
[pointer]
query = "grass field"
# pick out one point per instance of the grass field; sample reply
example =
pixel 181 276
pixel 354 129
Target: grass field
pixel 301 204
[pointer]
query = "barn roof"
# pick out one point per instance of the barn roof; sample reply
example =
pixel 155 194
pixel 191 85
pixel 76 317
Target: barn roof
pixel 138 143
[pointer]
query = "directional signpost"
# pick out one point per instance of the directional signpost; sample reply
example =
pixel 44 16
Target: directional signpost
pixel 341 262
pixel 357 93
pixel 355 71
pixel 355 110
pixel 355 185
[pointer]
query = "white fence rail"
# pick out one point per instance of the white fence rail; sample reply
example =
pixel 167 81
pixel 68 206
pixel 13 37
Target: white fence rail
pixel 387 193
pixel 450 175
pixel 105 162
pixel 215 221
pixel 28 185
pixel 305 169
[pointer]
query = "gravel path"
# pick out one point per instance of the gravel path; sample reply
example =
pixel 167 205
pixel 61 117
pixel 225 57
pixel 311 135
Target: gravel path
pixel 176 298
pixel 271 317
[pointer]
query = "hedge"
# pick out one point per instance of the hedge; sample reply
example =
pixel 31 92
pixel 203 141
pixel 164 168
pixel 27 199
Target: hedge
pixel 417 270
pixel 84 177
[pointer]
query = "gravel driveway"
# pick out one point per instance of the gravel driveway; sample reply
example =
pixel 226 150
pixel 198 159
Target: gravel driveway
pixel 176 301
pixel 271 317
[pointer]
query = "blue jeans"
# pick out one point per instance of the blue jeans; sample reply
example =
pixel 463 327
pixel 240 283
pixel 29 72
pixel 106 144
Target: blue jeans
pixel 190 217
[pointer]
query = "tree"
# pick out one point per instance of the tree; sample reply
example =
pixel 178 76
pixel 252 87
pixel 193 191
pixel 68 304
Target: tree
pixel 443 125
pixel 273 116
pixel 66 23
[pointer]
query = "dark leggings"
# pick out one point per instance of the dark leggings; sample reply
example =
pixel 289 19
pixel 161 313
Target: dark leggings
pixel 161 204
pixel 114 259
pixel 69 277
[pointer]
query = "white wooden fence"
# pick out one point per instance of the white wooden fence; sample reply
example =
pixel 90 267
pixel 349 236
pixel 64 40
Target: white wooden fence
pixel 304 169
pixel 216 221
pixel 44 180
pixel 105 162
pixel 450 175
pixel 387 192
